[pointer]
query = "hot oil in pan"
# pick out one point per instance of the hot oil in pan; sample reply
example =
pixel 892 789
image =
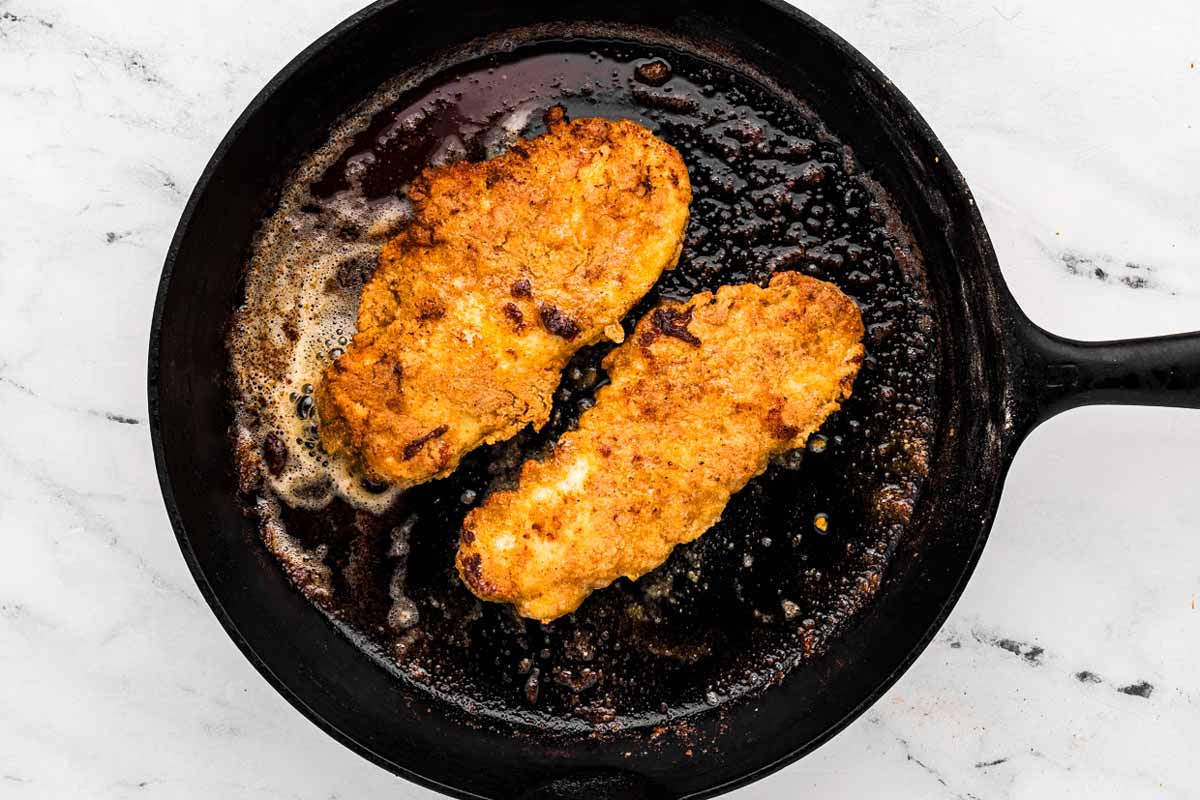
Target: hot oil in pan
pixel 797 553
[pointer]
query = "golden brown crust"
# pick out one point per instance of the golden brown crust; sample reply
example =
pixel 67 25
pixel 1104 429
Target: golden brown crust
pixel 510 266
pixel 701 396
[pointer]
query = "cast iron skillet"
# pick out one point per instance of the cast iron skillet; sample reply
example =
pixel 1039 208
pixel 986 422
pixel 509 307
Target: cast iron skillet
pixel 1001 376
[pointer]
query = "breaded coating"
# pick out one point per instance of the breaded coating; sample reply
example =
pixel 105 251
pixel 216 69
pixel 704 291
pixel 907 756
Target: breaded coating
pixel 509 267
pixel 701 397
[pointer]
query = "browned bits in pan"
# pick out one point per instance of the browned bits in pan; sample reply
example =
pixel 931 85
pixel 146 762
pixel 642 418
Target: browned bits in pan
pixel 275 454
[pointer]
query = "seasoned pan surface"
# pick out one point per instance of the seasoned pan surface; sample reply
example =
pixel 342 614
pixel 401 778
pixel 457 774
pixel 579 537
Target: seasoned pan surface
pixel 797 553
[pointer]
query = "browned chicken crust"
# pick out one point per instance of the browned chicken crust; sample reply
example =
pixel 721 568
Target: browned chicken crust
pixel 509 268
pixel 701 397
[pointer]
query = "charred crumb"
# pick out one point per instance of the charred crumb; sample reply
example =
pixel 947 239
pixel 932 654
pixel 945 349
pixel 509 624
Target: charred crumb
pixel 522 288
pixel 677 103
pixel 673 322
pixel 994 763
pixel 579 646
pixel 576 680
pixel 412 448
pixel 653 73
pixel 275 453
pixel 514 316
pixel 532 686
pixel 557 322
pixel 1086 676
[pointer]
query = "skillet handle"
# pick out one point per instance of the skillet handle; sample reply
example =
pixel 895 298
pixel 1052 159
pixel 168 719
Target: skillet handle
pixel 1065 374
pixel 596 785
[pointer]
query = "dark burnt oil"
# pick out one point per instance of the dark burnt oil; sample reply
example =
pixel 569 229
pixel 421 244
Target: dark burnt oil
pixel 797 552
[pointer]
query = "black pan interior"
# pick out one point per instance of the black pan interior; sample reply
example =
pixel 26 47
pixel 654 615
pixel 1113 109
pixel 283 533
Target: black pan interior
pixel 798 551
pixel 669 674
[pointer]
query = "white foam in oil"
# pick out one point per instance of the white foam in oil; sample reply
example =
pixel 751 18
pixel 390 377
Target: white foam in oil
pixel 307 264
pixel 303 284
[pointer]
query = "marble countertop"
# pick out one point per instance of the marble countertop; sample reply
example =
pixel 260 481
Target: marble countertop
pixel 1068 669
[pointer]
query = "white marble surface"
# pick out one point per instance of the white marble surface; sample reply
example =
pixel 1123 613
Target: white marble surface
pixel 1076 125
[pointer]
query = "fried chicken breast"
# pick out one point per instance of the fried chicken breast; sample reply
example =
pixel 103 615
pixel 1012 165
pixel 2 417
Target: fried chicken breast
pixel 701 397
pixel 509 267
